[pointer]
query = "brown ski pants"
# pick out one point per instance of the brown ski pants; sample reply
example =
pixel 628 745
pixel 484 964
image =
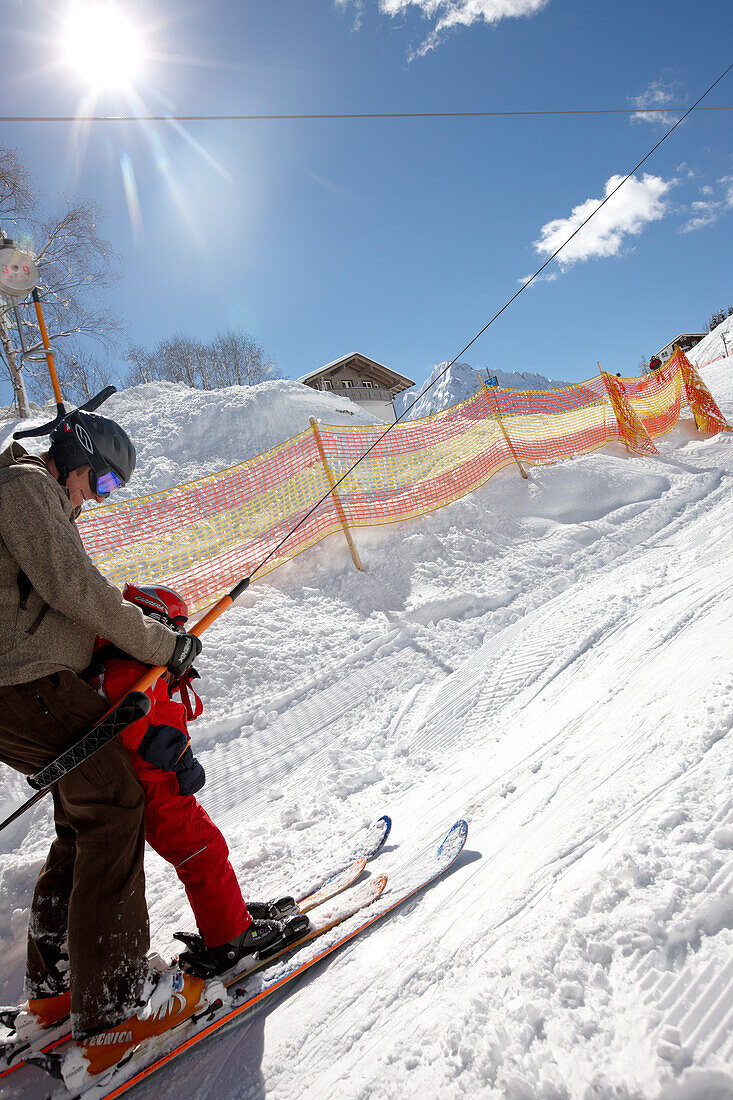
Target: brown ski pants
pixel 88 927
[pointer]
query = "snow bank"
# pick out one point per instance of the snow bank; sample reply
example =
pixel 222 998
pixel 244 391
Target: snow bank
pixel 182 434
pixel 713 346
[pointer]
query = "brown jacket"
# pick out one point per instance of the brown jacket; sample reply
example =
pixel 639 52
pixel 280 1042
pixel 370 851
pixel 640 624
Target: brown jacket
pixel 53 599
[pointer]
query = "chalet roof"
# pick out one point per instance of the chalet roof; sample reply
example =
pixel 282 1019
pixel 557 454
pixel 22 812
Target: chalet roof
pixel 685 336
pixel 385 375
pixel 685 340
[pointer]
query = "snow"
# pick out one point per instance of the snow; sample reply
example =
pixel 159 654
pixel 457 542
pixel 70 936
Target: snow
pixel 550 659
pixel 182 434
pixel 457 384
pixel 717 343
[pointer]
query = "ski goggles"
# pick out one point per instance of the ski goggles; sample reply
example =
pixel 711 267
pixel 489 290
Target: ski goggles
pixel 106 483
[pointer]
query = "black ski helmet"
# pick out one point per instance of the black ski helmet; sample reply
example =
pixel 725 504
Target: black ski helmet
pixel 85 439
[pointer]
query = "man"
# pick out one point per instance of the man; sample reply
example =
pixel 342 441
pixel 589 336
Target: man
pixel 88 928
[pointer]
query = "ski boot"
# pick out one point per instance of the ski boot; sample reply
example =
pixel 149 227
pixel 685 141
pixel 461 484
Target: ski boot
pixel 172 998
pixel 260 940
pixel 50 1010
pixel 34 1024
pixel 37 1014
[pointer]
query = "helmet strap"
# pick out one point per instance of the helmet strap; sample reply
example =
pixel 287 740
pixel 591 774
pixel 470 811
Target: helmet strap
pixel 63 470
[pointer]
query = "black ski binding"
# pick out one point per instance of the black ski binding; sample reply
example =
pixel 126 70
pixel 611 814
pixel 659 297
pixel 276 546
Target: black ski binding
pixel 293 929
pixel 50 1063
pixel 8 1016
pixel 280 909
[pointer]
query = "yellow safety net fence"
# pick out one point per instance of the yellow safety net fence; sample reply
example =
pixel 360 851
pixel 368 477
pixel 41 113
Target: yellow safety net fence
pixel 203 537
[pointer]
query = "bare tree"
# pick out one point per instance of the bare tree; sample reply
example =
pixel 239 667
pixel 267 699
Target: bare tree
pixel 17 200
pixel 143 366
pixel 231 359
pixel 76 265
pixel 17 196
pixel 81 373
pixel 239 360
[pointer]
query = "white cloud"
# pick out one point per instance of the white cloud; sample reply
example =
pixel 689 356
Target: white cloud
pixel 446 14
pixel 717 201
pixel 635 204
pixel 549 278
pixel 657 94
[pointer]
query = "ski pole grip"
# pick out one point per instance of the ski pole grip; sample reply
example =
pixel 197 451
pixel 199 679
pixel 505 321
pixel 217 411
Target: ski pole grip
pixel 134 706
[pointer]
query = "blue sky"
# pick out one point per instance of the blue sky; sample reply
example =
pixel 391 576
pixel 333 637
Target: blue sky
pixel 399 238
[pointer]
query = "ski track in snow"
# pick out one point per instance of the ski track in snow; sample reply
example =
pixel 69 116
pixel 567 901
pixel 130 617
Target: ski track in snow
pixel 551 659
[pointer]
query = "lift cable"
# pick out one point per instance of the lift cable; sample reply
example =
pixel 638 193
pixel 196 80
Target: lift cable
pixel 506 305
pixel 374 115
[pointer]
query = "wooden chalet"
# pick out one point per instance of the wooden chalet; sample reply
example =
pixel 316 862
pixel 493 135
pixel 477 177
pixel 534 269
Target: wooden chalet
pixel 363 380
pixel 685 341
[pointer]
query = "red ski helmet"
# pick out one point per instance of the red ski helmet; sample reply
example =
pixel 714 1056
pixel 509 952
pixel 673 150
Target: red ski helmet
pixel 159 602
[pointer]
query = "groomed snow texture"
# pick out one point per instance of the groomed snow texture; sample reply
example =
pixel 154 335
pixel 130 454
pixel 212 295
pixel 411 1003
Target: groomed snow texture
pixel 550 658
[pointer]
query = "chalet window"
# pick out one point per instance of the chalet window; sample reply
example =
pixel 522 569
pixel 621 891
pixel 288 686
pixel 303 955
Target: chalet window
pixel 326 385
pixel 347 384
pixel 366 382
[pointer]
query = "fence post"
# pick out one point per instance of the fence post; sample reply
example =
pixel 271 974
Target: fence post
pixel 337 503
pixel 500 422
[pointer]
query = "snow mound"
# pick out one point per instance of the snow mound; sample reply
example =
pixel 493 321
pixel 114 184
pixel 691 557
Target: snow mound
pixel 181 434
pixel 458 384
pixel 713 346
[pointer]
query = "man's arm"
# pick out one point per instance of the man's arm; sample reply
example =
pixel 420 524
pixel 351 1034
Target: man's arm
pixel 48 548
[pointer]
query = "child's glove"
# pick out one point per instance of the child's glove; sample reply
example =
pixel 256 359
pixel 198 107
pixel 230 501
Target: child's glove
pixel 168 748
pixel 190 774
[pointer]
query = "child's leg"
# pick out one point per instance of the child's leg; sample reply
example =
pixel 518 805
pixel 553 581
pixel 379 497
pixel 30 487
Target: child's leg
pixel 181 831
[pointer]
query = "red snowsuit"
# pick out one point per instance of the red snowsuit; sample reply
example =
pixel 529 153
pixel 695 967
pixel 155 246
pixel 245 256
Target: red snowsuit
pixel 176 826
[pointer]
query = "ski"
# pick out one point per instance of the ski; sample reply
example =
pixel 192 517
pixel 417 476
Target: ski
pixel 14 1049
pixel 247 994
pixel 367 848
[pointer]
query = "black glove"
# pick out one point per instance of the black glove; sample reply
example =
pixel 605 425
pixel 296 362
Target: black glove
pixel 191 776
pixel 188 647
pixel 168 748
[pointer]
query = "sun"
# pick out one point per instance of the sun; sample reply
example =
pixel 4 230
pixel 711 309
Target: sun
pixel 102 46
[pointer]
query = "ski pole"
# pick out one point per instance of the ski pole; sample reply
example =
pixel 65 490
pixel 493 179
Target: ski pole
pixel 49 353
pixel 134 705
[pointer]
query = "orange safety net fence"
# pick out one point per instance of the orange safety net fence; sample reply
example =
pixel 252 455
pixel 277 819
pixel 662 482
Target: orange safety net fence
pixel 203 537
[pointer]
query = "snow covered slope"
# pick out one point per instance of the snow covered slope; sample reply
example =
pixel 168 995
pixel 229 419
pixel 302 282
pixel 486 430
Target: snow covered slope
pixel 458 384
pixel 551 658
pixel 716 343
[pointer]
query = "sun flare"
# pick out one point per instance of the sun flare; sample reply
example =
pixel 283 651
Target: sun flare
pixel 102 46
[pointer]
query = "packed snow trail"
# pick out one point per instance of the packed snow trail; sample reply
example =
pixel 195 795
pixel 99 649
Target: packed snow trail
pixel 551 659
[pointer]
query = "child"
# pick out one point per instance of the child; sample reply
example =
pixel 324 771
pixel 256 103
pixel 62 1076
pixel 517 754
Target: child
pixel 176 826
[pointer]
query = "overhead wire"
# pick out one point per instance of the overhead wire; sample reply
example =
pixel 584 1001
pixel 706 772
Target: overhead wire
pixel 364 115
pixel 499 312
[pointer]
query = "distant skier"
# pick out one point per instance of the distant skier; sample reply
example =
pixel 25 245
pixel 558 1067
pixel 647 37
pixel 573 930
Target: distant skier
pixel 88 927
pixel 654 363
pixel 176 826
